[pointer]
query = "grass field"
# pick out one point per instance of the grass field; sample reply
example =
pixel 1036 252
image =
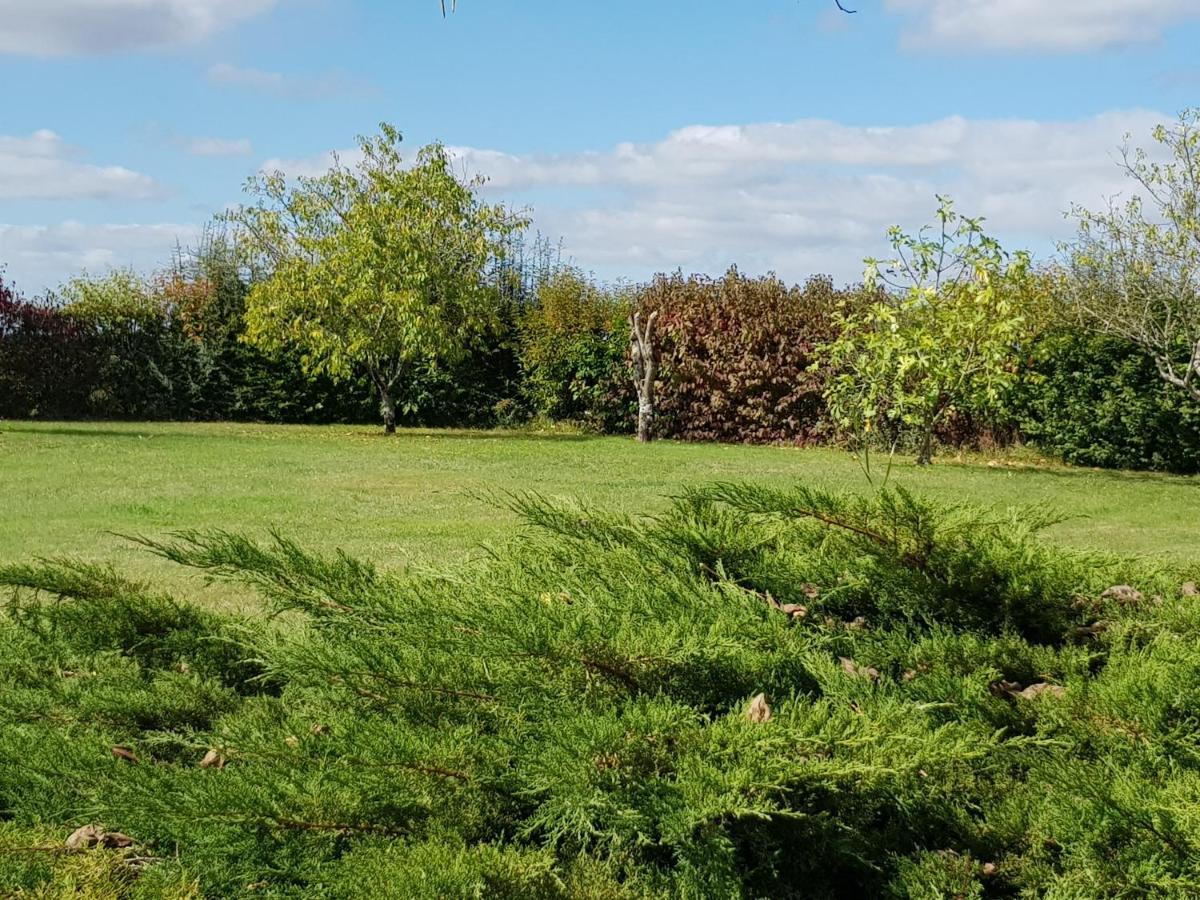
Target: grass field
pixel 72 488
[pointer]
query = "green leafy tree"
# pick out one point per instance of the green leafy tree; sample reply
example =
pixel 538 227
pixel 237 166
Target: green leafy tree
pixel 939 329
pixel 1134 271
pixel 121 295
pixel 381 267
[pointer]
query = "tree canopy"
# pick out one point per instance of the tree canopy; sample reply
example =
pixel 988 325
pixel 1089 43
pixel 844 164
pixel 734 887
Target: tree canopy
pixel 939 328
pixel 379 266
pixel 1134 270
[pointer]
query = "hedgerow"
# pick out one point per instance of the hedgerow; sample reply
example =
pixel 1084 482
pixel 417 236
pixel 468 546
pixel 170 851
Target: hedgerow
pixel 739 356
pixel 1098 401
pixel 757 693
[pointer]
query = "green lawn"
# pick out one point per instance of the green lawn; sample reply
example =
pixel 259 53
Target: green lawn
pixel 66 487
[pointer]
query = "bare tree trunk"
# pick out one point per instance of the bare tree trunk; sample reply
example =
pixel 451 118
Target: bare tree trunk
pixel 641 352
pixel 387 406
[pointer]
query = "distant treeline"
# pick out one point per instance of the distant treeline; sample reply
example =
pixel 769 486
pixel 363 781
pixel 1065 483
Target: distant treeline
pixel 739 361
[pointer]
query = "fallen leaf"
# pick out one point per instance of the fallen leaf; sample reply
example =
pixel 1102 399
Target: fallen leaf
pixel 84 837
pixel 794 610
pixel 1122 593
pixel 1036 690
pixel 850 667
pixel 988 869
pixel 1001 688
pixel 125 753
pixel 1190 589
pixel 758 711
pixel 1087 631
pixel 87 837
pixel 811 591
pixel 212 760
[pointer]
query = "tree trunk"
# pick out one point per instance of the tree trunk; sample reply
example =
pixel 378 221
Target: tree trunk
pixel 645 425
pixel 641 354
pixel 387 407
pixel 925 454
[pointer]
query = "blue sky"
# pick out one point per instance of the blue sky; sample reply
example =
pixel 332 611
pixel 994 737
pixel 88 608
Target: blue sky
pixel 779 134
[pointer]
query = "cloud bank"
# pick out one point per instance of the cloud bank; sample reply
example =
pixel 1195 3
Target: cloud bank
pixel 96 27
pixel 42 166
pixel 1038 25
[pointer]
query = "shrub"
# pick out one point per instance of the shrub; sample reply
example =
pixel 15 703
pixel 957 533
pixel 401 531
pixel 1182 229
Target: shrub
pixel 1098 401
pixel 737 356
pixel 757 693
pixel 47 362
pixel 574 353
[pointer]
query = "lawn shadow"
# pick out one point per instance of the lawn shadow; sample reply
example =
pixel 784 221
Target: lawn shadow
pixel 477 435
pixel 64 431
pixel 1075 473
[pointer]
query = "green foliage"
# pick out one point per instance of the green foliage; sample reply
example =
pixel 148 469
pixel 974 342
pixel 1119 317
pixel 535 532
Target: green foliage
pixel 574 353
pixel 1134 273
pixel 382 266
pixel 579 713
pixel 942 332
pixel 1097 400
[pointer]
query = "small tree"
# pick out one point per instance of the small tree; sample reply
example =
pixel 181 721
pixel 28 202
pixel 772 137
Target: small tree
pixel 939 328
pixel 1137 275
pixel 380 266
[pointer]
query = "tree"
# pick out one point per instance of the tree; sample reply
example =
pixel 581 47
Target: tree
pixel 939 328
pixel 382 266
pixel 1135 273
pixel 641 354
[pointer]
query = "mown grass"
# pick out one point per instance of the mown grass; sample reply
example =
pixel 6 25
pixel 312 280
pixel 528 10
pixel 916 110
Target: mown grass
pixel 74 488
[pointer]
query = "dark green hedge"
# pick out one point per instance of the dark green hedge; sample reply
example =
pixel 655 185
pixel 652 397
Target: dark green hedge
pixel 1098 401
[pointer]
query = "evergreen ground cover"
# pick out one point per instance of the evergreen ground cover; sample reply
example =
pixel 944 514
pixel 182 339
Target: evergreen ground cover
pixel 758 691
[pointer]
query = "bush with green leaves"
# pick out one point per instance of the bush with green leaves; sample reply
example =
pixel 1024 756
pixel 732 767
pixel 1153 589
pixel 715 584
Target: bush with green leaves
pixel 574 347
pixel 942 330
pixel 1095 400
pixel 758 693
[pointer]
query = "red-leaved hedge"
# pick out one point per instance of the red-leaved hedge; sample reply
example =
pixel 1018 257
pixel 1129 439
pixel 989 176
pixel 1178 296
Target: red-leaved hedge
pixel 736 356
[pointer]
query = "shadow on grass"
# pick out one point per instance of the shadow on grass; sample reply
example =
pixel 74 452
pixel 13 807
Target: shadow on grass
pixel 477 435
pixel 21 428
pixel 413 433
pixel 1076 473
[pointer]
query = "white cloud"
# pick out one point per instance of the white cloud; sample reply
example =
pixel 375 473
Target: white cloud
pixel 809 196
pixel 44 256
pixel 43 167
pixel 91 27
pixel 208 146
pixel 312 166
pixel 803 197
pixel 1039 25
pixel 228 75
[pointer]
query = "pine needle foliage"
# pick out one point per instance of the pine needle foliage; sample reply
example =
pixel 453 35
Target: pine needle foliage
pixel 759 693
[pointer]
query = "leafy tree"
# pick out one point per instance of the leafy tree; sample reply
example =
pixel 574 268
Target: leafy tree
pixel 120 296
pixel 1134 272
pixel 941 331
pixel 380 266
